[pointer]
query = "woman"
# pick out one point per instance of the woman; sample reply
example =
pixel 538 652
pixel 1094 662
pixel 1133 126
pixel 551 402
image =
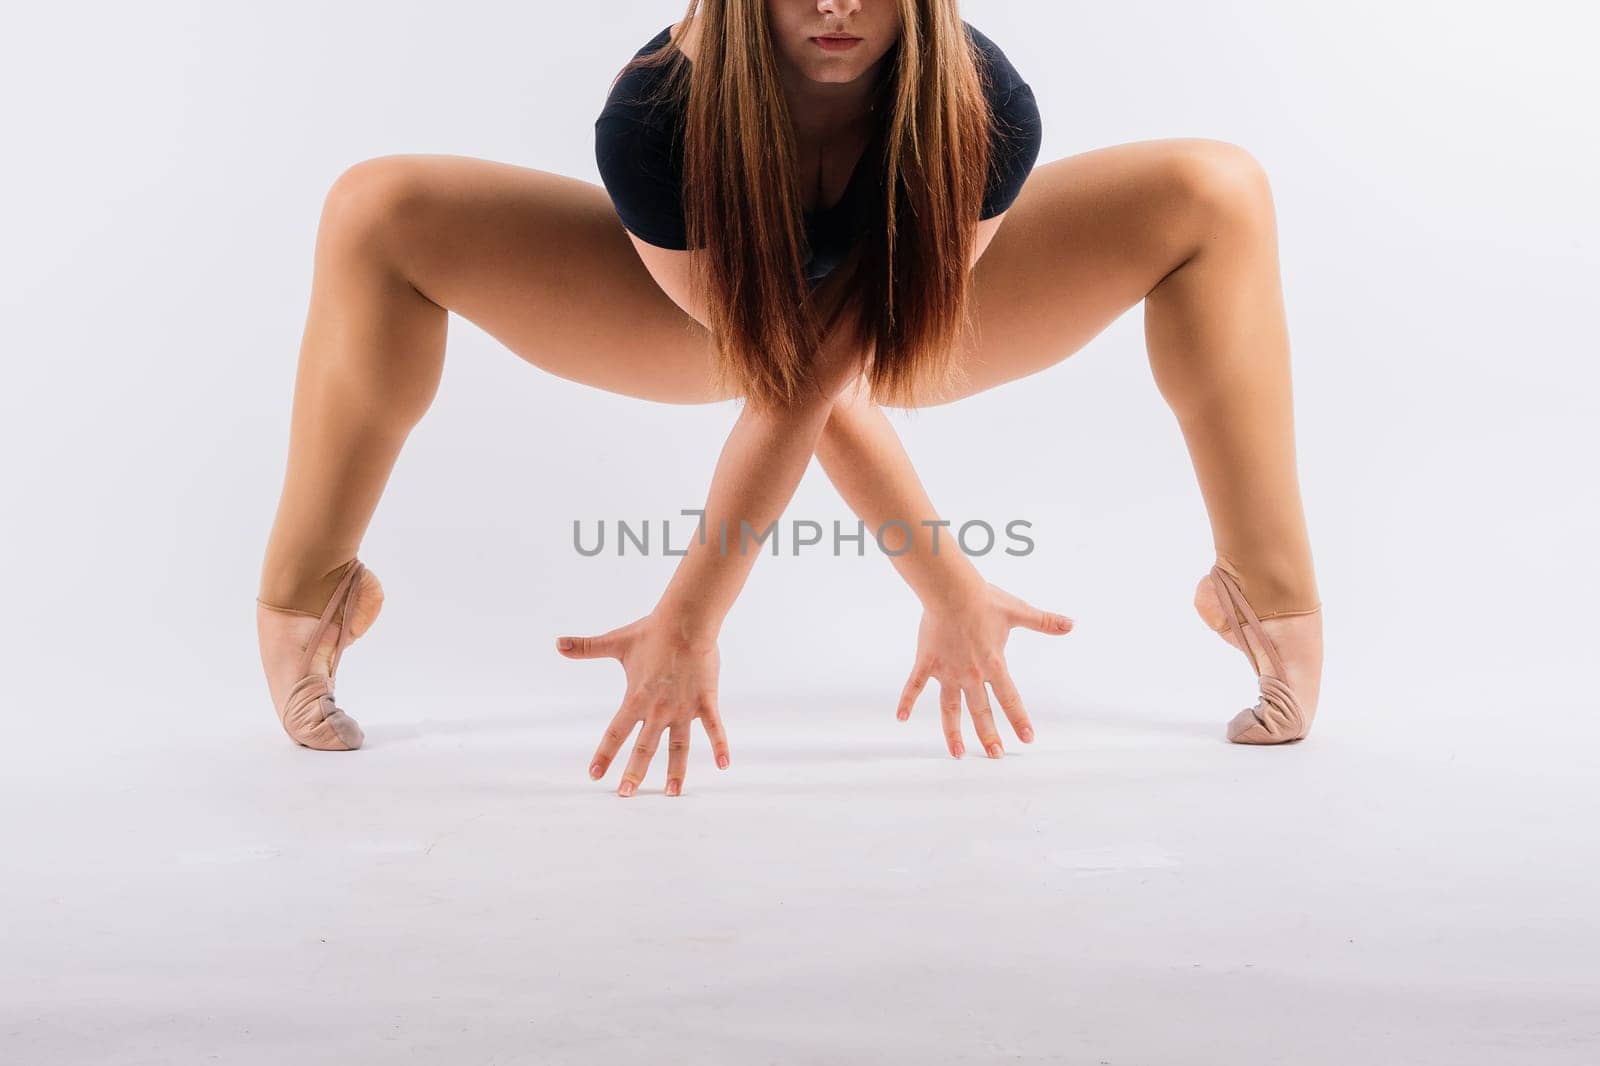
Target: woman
pixel 819 206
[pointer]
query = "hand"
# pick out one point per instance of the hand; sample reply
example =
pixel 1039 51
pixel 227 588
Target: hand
pixel 672 680
pixel 962 645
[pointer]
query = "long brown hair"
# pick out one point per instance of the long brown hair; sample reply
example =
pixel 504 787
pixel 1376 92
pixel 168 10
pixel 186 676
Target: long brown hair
pixel 903 296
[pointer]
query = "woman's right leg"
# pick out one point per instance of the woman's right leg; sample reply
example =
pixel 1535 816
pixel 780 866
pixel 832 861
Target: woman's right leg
pixel 537 260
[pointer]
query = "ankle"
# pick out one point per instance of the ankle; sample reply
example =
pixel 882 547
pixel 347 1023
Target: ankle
pixel 1274 588
pixel 300 592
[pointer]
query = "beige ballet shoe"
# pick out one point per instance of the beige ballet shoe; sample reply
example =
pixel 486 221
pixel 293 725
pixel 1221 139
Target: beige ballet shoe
pixel 308 714
pixel 1278 718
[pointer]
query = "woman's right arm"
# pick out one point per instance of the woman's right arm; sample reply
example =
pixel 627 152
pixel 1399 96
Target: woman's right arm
pixel 670 656
pixel 766 455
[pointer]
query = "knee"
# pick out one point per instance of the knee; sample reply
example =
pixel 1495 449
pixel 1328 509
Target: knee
pixel 370 202
pixel 1222 184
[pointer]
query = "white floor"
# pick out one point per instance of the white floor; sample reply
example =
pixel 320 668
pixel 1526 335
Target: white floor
pixel 1128 890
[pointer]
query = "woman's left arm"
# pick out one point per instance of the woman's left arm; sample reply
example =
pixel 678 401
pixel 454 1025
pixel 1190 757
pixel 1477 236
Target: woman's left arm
pixel 966 621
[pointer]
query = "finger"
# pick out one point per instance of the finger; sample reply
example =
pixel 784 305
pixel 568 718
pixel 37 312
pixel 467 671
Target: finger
pixel 711 718
pixel 950 717
pixel 644 749
pixel 983 718
pixel 913 689
pixel 612 739
pixel 1011 702
pixel 605 646
pixel 1042 621
pixel 677 756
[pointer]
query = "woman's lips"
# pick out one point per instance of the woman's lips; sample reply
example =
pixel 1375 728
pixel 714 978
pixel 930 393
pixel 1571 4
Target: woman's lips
pixel 836 44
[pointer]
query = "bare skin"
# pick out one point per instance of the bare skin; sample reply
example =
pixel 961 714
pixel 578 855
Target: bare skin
pixel 540 262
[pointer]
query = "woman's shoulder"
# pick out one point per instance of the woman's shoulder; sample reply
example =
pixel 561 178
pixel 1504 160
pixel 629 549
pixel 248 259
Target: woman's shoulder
pixel 637 96
pixel 1016 129
pixel 638 151
pixel 1000 76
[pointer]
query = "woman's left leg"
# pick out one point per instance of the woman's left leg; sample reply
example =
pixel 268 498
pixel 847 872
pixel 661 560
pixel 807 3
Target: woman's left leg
pixel 1188 227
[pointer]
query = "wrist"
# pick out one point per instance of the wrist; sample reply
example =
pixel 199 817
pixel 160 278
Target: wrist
pixel 689 627
pixel 950 582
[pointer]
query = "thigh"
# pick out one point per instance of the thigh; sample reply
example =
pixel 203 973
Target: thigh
pixel 541 263
pixel 1086 239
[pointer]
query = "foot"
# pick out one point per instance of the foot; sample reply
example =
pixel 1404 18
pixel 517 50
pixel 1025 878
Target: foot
pixel 1299 642
pixel 284 637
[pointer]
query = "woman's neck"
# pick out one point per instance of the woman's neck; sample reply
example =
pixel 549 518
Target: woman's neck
pixel 821 109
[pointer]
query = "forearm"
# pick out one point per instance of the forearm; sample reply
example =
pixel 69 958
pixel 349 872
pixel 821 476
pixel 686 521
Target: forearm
pixel 863 457
pixel 760 467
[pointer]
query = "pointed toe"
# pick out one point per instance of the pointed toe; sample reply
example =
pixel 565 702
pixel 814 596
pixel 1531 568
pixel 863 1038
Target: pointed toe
pixel 308 714
pixel 1278 718
pixel 346 729
pixel 1246 728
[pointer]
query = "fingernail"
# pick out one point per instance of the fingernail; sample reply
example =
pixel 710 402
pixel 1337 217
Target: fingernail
pixel 994 750
pixel 596 769
pixel 626 788
pixel 674 786
pixel 1026 734
pixel 565 643
pixel 959 750
pixel 902 715
pixel 722 762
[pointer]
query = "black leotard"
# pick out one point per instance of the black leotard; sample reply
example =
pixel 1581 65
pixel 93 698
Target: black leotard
pixel 639 152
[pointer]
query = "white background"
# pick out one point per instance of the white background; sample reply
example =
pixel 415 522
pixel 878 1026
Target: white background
pixel 1411 885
